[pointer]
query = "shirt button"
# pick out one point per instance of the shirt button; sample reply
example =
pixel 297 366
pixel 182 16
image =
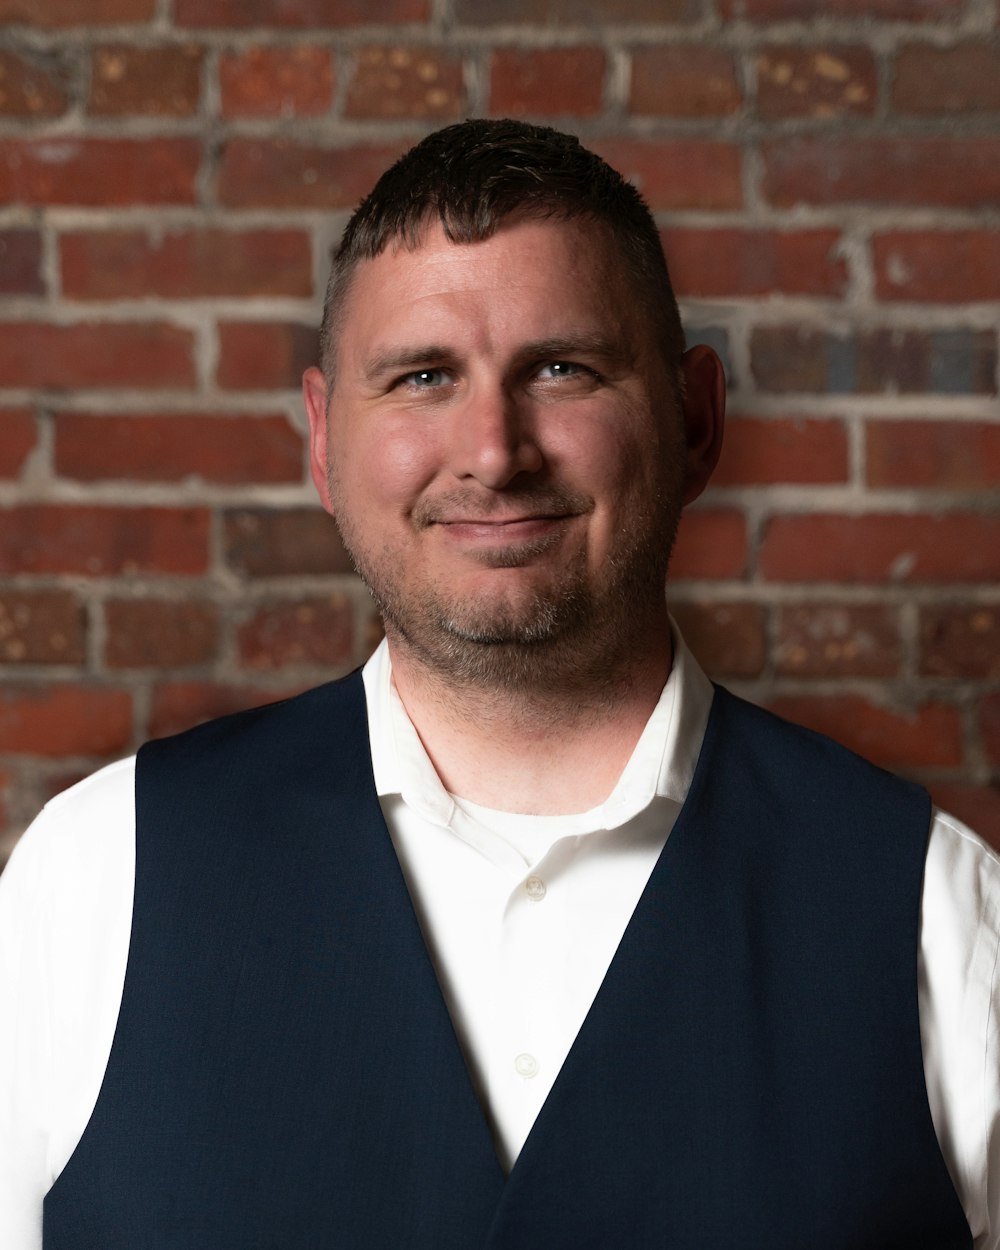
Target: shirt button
pixel 534 887
pixel 526 1065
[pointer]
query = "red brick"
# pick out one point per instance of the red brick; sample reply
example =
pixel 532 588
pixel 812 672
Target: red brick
pixel 894 10
pixel 41 627
pixel 90 353
pixel 679 173
pixel 18 437
pixel 271 542
pixel 894 548
pixel 815 82
pixel 951 455
pixel 151 82
pixel 837 640
pixel 713 263
pixel 989 725
pixel 299 14
pixel 101 541
pixel 584 12
pixel 180 704
pixel 727 638
pixel 160 633
pixel 276 173
pixel 546 82
pixel 960 641
pixel 169 447
pixel 403 81
pixel 959 361
pixel 32 85
pixel 953 172
pixel 276 82
pixel 928 737
pixel 59 13
pixel 976 806
pixel 265 355
pixel 180 264
pixel 683 80
pixel 64 719
pixel 309 631
pixel 761 451
pixel 711 542
pixel 21 262
pixel 99 172
pixel 937 266
pixel 960 79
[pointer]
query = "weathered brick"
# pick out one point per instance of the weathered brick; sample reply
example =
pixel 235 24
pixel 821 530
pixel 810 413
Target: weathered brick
pixel 712 263
pixel 21 262
pixel 276 82
pixel 882 547
pixel 815 82
pixel 146 81
pixel 32 84
pixel 160 633
pixel 269 542
pixel 181 264
pixel 64 719
pixel 960 361
pixel 928 737
pixel 960 641
pixel 583 12
pixel 954 172
pixel 951 455
pixel 403 81
pixel 90 353
pixel 961 79
pixel 265 355
pixel 547 82
pixel 100 173
pixel 309 630
pixel 837 640
pixel 937 266
pixel 169 447
pixel 683 80
pixel 18 437
pixel 298 14
pixel 101 541
pixel 761 451
pixel 679 173
pixel 976 806
pixel 277 173
pixel 41 627
pixel 59 13
pixel 989 726
pixel 178 705
pixel 886 10
pixel 727 638
pixel 711 542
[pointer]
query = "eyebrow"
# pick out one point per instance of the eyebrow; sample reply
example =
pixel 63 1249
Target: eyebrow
pixel 556 348
pixel 394 359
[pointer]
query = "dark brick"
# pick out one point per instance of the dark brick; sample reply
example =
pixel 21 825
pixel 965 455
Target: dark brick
pixel 837 640
pixel 310 631
pixel 271 542
pixel 960 641
pixel 160 633
pixel 403 81
pixel 727 638
pixel 32 84
pixel 21 262
pixel 41 627
pixel 151 82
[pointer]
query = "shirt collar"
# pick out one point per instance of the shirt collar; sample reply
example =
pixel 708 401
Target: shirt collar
pixel 662 762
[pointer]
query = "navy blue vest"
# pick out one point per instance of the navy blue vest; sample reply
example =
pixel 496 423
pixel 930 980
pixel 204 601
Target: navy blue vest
pixel 285 1075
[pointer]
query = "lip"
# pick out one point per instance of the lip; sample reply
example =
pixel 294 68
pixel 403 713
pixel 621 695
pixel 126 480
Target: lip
pixel 503 529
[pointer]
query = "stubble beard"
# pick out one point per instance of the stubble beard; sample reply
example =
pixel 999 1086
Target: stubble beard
pixel 568 639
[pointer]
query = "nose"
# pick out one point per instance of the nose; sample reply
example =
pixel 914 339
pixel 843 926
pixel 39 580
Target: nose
pixel 493 439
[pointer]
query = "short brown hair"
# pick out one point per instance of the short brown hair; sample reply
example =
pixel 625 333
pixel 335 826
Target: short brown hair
pixel 472 176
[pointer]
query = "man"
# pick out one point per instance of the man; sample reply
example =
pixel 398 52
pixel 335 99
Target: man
pixel 524 937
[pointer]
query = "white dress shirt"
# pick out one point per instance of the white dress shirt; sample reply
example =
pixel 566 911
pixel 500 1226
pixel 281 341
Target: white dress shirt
pixel 522 915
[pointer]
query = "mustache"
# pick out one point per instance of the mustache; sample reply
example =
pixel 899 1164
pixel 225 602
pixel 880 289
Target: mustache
pixel 472 505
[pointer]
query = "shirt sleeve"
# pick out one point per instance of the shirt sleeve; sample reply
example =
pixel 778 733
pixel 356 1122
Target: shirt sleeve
pixel 65 917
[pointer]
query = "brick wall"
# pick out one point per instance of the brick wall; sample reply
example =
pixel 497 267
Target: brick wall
pixel 173 173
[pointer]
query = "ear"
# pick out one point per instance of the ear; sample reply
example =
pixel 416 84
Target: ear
pixel 316 396
pixel 704 406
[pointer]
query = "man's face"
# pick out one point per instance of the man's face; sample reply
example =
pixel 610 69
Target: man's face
pixel 502 450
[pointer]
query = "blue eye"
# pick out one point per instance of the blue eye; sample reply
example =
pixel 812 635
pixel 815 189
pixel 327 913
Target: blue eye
pixel 426 378
pixel 559 369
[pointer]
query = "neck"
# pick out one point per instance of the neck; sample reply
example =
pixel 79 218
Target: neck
pixel 546 748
